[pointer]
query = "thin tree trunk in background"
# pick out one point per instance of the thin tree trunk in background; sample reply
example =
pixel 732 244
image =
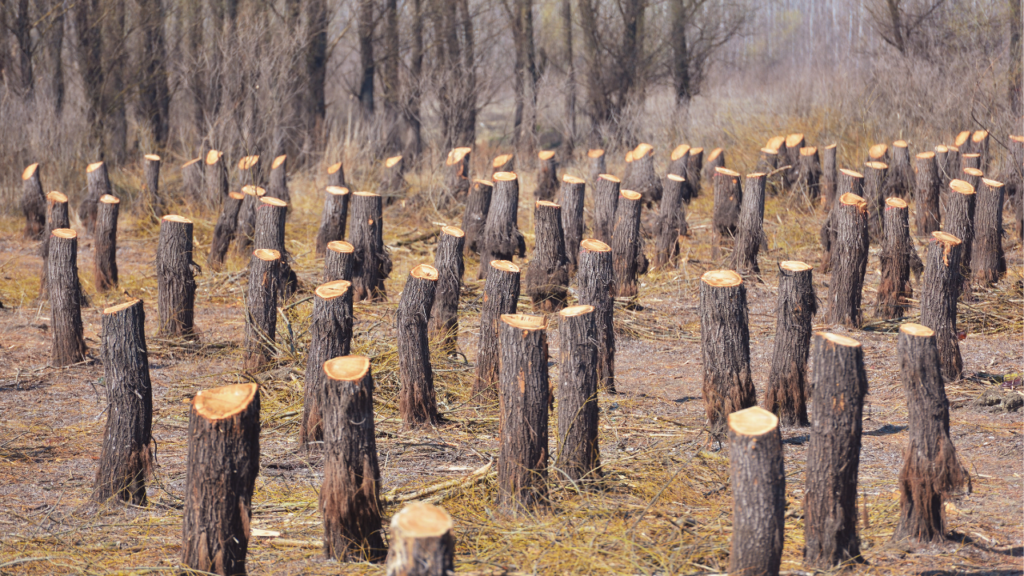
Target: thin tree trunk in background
pixel 597 101
pixel 414 96
pixel 23 35
pixel 366 24
pixel 467 128
pixel 1015 74
pixel 317 21
pixel 88 53
pixel 54 40
pixel 154 92
pixel 680 56
pixel 114 59
pixel 570 89
pixel 390 84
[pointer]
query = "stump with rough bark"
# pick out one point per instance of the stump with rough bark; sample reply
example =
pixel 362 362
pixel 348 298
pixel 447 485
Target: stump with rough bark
pixel 223 462
pixel 338 261
pixel 642 177
pixel 849 261
pixel 456 172
pixel 988 261
pixel 336 175
pixel 894 291
pixel 579 457
pixel 972 176
pixel 808 182
pixel 694 161
pixel 503 163
pixel 372 264
pixel 786 395
pixel 501 294
pixel 330 331
pixel 938 300
pixel 474 219
pixel 596 164
pixel 502 239
pixel 627 169
pixel 926 193
pixel 422 542
pixel 246 229
pixel 56 218
pixel 878 153
pixel 606 202
pixel 176 282
pixel 68 345
pixel 833 457
pixel 728 199
pixel 980 146
pixel 725 347
pixel 392 180
pixel 249 172
pixel 874 195
pixel 849 183
pixel 216 179
pixel 628 244
pixel 444 315
pixel 125 459
pixel 570 198
pixel 105 263
pixel 960 211
pixel 941 157
pixel 791 158
pixel 751 226
pixel 523 387
pixel 899 180
pixel 270 225
pixel 951 168
pixel 677 161
pixel 98 185
pixel 33 203
pixel 278 185
pixel 417 401
pixel 671 223
pixel 547 176
pixel 828 177
pixel 715 159
pixel 972 161
pixel 193 179
pixel 261 310
pixel 547 275
pixel 224 231
pixel 595 282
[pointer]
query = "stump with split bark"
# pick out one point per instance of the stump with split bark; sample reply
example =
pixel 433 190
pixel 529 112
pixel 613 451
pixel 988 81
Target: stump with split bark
pixel 786 396
pixel 223 462
pixel 56 218
pixel 895 290
pixel 606 202
pixel 571 198
pixel 501 294
pixel 694 161
pixel 642 178
pixel 246 229
pixel 791 158
pixel 547 276
pixel 926 193
pixel 715 159
pixel 523 453
pixel 833 457
pixel 547 176
pixel 758 478
pixel 849 183
pixel 899 181
pixel 725 347
pixel 330 331
pixel 176 282
pixel 65 299
pixel 417 401
pixel 671 224
pixel 503 163
pixel 849 261
pixel 751 226
pixel 350 495
pixel 338 261
pixel 224 231
pixel 422 542
pixel 938 299
pixel 249 172
pixel 596 287
pixel 105 263
pixel 270 225
pixel 628 244
pixel 98 185
pixel 194 180
pixel 456 177
pixel 216 178
pixel 478 204
pixel 728 199
pixel 33 203
pixel 828 176
pixel 372 264
pixel 596 162
pixel 874 195
pixel 502 239
pixel 392 181
pixel 261 310
pixel 278 185
pixel 578 455
pixel 444 315
pixel 125 459
pixel 988 261
pixel 960 211
pixel 336 175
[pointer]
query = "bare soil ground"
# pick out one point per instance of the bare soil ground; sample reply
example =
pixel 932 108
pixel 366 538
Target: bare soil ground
pixel 664 507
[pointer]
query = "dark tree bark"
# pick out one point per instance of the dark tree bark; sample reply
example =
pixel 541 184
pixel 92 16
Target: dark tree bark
pixel 849 183
pixel 150 202
pixel 628 244
pixel 671 222
pixel 223 462
pixel 523 455
pixel 224 231
pixel 716 159
pixel 596 287
pixel 833 458
pixel 250 172
pixel 417 401
pixel 125 459
pixel 960 208
pixel 597 166
pixel 478 204
pixel 926 195
pixel 333 219
pixel 828 177
pixel 98 185
pixel 938 300
pixel 809 174
pixel 642 178
pixel 65 299
pixel 270 222
pixel 501 295
pixel 278 186
pixel 261 310
pixel 547 276
pixel 693 165
pixel 105 263
pixel 444 315
pixel 758 478
pixel 895 290
pixel 941 158
pixel 547 176
pixel 194 180
pixel 33 203
pixel 154 90
pixel 931 470
pixel 786 396
pixel 175 278
pixel 579 457
pixel 728 199
pixel 392 180
pixel 791 157
pixel 456 178
pixel 422 543
pixel 372 264
pixel 987 258
pixel 951 169
pixel 606 202
pixel 849 261
pixel 330 331
pixel 503 163
pixel 899 181
pixel 874 195
pixel 571 197
pixel 336 175
pixel 502 239
pixel 56 218
pixel 366 23
pixel 1011 173
pixel 247 219
pixel 751 226
pixel 725 348
pixel 338 261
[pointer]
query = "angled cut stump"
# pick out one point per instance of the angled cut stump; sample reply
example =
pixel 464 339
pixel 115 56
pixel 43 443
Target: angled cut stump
pixel 728 199
pixel 503 163
pixel 176 281
pixel 216 175
pixel 849 261
pixel 791 157
pixel 224 231
pixel 926 193
pixel 501 294
pixel 247 219
pixel 502 239
pixel 392 182
pixel 571 197
pixel 808 182
pixel 68 345
pixel 278 186
pixel 579 457
pixel 338 261
pixel 899 181
pixel 878 153
pixel 596 164
pixel 105 264
pixel 980 146
pixel 33 203
pixel 642 178
pixel 456 177
pixel 261 310
pixel 444 314
pixel 333 219
pixel 547 275
pixel 250 171
pixel 596 287
pixel 417 400
pixel 987 258
pixel 972 176
pixel 372 264
pixel 786 396
pixel 715 159
pixel 330 331
pixel 725 347
pixel 422 543
pixel 336 175
pixel 474 219
pixel 895 290
pixel 98 184
pixel 671 224
pixel 677 161
pixel 850 182
pixel 606 202
pixel 271 214
pixel 194 179
pixel 751 226
pixel 874 195
pixel 56 218
pixel 939 300
pixel 628 244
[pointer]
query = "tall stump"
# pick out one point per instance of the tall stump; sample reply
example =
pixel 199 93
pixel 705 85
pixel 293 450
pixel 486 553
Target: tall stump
pixel 671 224
pixel 422 543
pixel 786 396
pixel 224 231
pixel 579 457
pixel 693 165
pixel 216 178
pixel 874 195
pixel 65 299
pixel 899 181
pixel 716 159
pixel 56 218
pixel 960 209
pixel 193 179
pixel 417 401
pixel 791 152
pixel 176 282
pixel 571 198
pixel 751 226
pixel 333 219
pixel 849 261
pixel 392 181
pixel 677 161
pixel 850 182
pixel 503 163
pixel 474 219
pixel 336 175
pixel 926 195
pixel 105 264
pixel 987 258
pixel 444 315
pixel 372 264
pixel 250 172
pixel 642 178
pixel 247 219
pixel 809 175
pixel 596 287
pixel 606 202
pixel 828 177
pixel 261 310
pixel 338 261
pixel 33 203
pixel 628 244
pixel 938 299
pixel 98 184
pixel 597 164
pixel 728 199
pixel 547 276
pixel 270 227
pixel 725 347
pixel 502 239
pixel 330 332
pixel 895 290
pixel 547 176
pixel 501 294
pixel 278 186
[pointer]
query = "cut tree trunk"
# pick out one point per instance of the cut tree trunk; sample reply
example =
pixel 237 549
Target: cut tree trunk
pixel 223 462
pixel 278 186
pixel 809 175
pixel 444 315
pixel 878 153
pixel 849 261
pixel 330 331
pixel 979 146
pixel 65 299
pixel 571 197
pixel 372 264
pixel 758 478
pixel 547 176
pixel 194 180
pixel 938 300
pixel 216 179
pixel 606 202
pixel 987 258
pixel 899 181
pixel 456 179
pixel 716 159
pixel 628 244
pixel 249 172
pixel 951 169
pixel 261 310
pixel 547 276
pixel 725 348
pixel 926 195
pixel 350 495
pixel 791 153
pixel 125 459
pixel 270 225
pixel 392 181
pixel 247 219
pixel 176 282
pixel 98 185
pixel 224 231
pixel 768 164
pixel 828 177
pixel 728 199
pixel 627 169
pixel 105 263
pixel 786 396
pixel 417 401
pixel 478 204
pixel 33 203
pixel 972 176
pixel 693 165
pixel 336 175
pixel 596 158
pixel 579 457
pixel 501 294
pixel 642 177
pixel 941 157
pixel 56 218
pixel 422 542
pixel 970 161
pixel 962 140
pixel 502 239
pixel 960 208
pixel 751 226
pixel 523 454
pixel 931 470
pixel 595 281
pixel 503 163
pixel 333 219
pixel 677 160
pixel 338 261
pixel 874 195
pixel 833 457
pixel 849 183
pixel 895 290
pixel 671 224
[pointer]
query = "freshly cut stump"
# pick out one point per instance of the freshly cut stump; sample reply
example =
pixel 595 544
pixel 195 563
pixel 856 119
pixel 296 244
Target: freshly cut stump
pixel 392 184
pixel 725 347
pixel 98 184
pixel 417 401
pixel 247 219
pixel 278 186
pixel 547 276
pixel 372 264
pixel 270 226
pixel 899 181
pixel 716 159
pixel 547 176
pixel 786 396
pixel 571 197
pixel 444 315
pixel 224 231
pixel 751 226
pixel 502 239
pixel 151 202
pixel 874 195
pixel 628 244
pixel 849 183
pixel 960 209
pixel 503 163
pixel 216 178
pixel 105 270
pixel 979 146
pixel 677 161
pixel 33 203
pixel 579 457
pixel 261 310
pixel 336 175
pixel 193 180
pixel 56 218
pixel 606 202
pixel 849 261
pixel 728 198
pixel 596 159
pixel 809 174
pixel 456 178
pixel 338 261
pixel 501 294
pixel 422 543
pixel 828 177
pixel 878 153
pixel 693 164
pixel 65 299
pixel 926 195
pixel 895 289
pixel 474 219
pixel 249 172
pixel 333 219
pixel 596 287
pixel 972 176
pixel 642 178
pixel 791 153
pixel 671 223
pixel 176 283
pixel 987 258
pixel 330 331
pixel 938 300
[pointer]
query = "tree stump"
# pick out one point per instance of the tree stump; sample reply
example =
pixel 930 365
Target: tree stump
pixel 125 459
pixel 502 239
pixel 579 457
pixel 899 181
pixel 330 331
pixel 758 478
pixel 980 146
pixel 503 163
pixel 768 160
pixel 444 315
pixel 926 195
pixel 970 160
pixel 828 177
pixel 105 264
pixel 642 178
pixel 56 218
pixel 547 276
pixel 628 244
pixel 941 158
pixel 456 179
pixel 216 179
pixel 938 300
pixel 547 176
pixel 261 310
pixel 874 182
pixel 571 197
pixel 223 462
pixel 671 224
pixel 725 347
pixel 33 203
pixel 972 176
pixel 194 180
pixel 728 199
pixel 962 140
pixel 176 282
pixel 224 231
pixel 336 175
pixel 249 173
pixel 338 261
pixel 392 182
pixel 849 183
pixel 501 295
pixel 597 165
pixel 786 396
pixel 878 153
pixel 987 258
pixel 627 169
pixel 960 209
pixel 523 455
pixel 65 299
pixel 751 226
pixel 895 289
pixel 247 219
pixel 849 261
pixel 716 159
pixel 833 457
pixel 677 160
pixel 372 264
pixel 98 185
pixel 951 169
pixel 422 543
pixel 606 202
pixel 278 186
pixel 478 204
pixel 791 158
pixel 777 143
pixel 350 495
pixel 270 225
pixel 417 401
pixel 693 165
pixel 808 181
pixel 596 287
